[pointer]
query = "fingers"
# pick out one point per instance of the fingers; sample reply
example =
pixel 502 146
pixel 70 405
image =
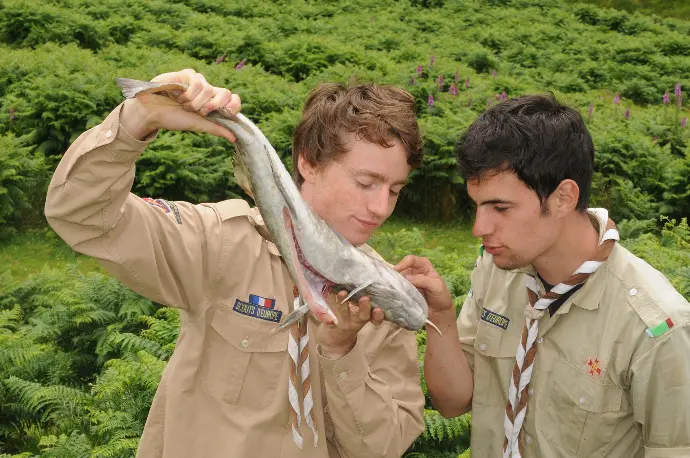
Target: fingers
pixel 415 263
pixel 431 285
pixel 377 316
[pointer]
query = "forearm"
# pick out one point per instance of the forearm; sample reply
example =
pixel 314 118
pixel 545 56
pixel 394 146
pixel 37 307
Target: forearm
pixel 92 181
pixel 447 373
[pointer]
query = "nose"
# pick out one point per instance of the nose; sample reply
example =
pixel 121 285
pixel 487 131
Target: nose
pixel 379 203
pixel 482 225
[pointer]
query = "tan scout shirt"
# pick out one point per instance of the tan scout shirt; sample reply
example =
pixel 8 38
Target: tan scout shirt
pixel 601 386
pixel 224 392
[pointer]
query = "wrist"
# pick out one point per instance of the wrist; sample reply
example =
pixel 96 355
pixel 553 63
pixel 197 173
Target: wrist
pixel 336 350
pixel 137 119
pixel 442 317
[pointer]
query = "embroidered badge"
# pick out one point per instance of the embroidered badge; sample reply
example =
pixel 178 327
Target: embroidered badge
pixel 176 211
pixel 595 367
pixel 258 307
pixel 660 328
pixel 495 319
pixel 159 203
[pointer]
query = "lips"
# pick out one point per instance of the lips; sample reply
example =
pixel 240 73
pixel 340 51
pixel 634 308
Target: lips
pixel 493 250
pixel 367 224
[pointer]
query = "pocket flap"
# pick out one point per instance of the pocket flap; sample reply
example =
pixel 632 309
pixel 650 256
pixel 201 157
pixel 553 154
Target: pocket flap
pixel 585 392
pixel 495 342
pixel 248 334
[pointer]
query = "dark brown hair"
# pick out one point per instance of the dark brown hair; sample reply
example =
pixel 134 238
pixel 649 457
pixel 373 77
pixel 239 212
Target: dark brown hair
pixel 374 113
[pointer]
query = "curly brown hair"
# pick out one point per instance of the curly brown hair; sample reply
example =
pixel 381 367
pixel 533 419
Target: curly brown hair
pixel 374 113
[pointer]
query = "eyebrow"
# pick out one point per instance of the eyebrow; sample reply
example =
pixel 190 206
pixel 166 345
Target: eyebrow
pixel 377 176
pixel 496 201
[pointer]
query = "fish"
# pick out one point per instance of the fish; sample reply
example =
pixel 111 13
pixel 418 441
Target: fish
pixel 319 260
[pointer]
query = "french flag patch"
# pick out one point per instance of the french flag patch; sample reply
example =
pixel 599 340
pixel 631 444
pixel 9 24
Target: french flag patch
pixel 262 301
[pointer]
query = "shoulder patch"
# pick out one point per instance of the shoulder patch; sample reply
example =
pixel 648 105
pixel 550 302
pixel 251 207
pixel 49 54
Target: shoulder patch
pixel 657 321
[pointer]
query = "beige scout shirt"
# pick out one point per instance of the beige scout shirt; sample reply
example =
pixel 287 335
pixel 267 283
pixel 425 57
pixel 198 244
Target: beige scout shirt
pixel 224 392
pixel 601 386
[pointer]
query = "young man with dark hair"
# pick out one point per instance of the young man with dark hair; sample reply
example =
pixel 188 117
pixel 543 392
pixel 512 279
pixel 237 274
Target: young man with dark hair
pixel 224 392
pixel 567 344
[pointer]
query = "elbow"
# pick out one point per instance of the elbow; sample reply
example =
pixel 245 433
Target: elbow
pixel 454 408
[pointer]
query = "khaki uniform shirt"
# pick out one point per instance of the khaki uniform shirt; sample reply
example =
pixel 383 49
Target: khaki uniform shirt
pixel 601 387
pixel 224 392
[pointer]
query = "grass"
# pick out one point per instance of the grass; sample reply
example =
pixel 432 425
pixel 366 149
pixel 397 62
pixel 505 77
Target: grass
pixel 30 252
pixel 450 236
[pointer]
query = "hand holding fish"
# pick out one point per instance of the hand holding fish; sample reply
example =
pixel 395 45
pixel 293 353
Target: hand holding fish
pixel 336 341
pixel 174 109
pixel 420 272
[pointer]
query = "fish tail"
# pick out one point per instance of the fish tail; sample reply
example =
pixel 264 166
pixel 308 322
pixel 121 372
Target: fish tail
pixel 131 87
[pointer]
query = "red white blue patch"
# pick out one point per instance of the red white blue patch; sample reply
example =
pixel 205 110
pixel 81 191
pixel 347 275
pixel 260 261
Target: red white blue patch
pixel 258 307
pixel 159 203
pixel 262 301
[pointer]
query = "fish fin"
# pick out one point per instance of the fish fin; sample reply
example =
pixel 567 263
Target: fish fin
pixel 356 290
pixel 131 88
pixel 292 318
pixel 241 173
pixel 429 323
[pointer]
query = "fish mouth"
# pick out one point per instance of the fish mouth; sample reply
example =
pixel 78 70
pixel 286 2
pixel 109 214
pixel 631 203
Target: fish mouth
pixel 313 286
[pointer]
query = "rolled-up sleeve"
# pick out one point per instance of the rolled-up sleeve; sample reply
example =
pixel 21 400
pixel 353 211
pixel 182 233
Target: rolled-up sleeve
pixel 166 251
pixel 376 404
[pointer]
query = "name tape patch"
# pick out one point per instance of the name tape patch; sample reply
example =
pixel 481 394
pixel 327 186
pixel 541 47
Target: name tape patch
pixel 257 311
pixel 495 319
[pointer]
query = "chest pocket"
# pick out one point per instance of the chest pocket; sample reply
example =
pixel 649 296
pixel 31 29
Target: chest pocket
pixel 242 362
pixel 581 414
pixel 494 358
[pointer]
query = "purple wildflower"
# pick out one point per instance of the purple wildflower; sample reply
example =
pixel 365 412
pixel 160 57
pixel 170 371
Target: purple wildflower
pixel 666 98
pixel 504 96
pixel 683 122
pixel 221 58
pixel 493 73
pixel 617 99
pixel 453 89
pixel 627 113
pixel 430 100
pixel 420 69
pixel 240 64
pixel 676 91
pixel 432 61
pixel 591 110
pixel 469 101
pixel 439 81
pixel 467 82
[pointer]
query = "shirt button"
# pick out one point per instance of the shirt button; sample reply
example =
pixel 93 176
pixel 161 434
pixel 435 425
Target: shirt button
pixel 343 375
pixel 540 340
pixel 582 399
pixel 109 133
pixel 528 439
pixel 482 347
pixel 633 291
pixel 531 391
pixel 245 343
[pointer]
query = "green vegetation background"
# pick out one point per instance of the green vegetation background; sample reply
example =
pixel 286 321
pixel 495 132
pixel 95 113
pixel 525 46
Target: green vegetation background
pixel 81 356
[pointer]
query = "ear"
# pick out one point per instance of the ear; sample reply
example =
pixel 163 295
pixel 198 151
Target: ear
pixel 565 197
pixel 307 169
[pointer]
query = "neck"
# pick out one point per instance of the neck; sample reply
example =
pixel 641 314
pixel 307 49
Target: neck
pixel 577 242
